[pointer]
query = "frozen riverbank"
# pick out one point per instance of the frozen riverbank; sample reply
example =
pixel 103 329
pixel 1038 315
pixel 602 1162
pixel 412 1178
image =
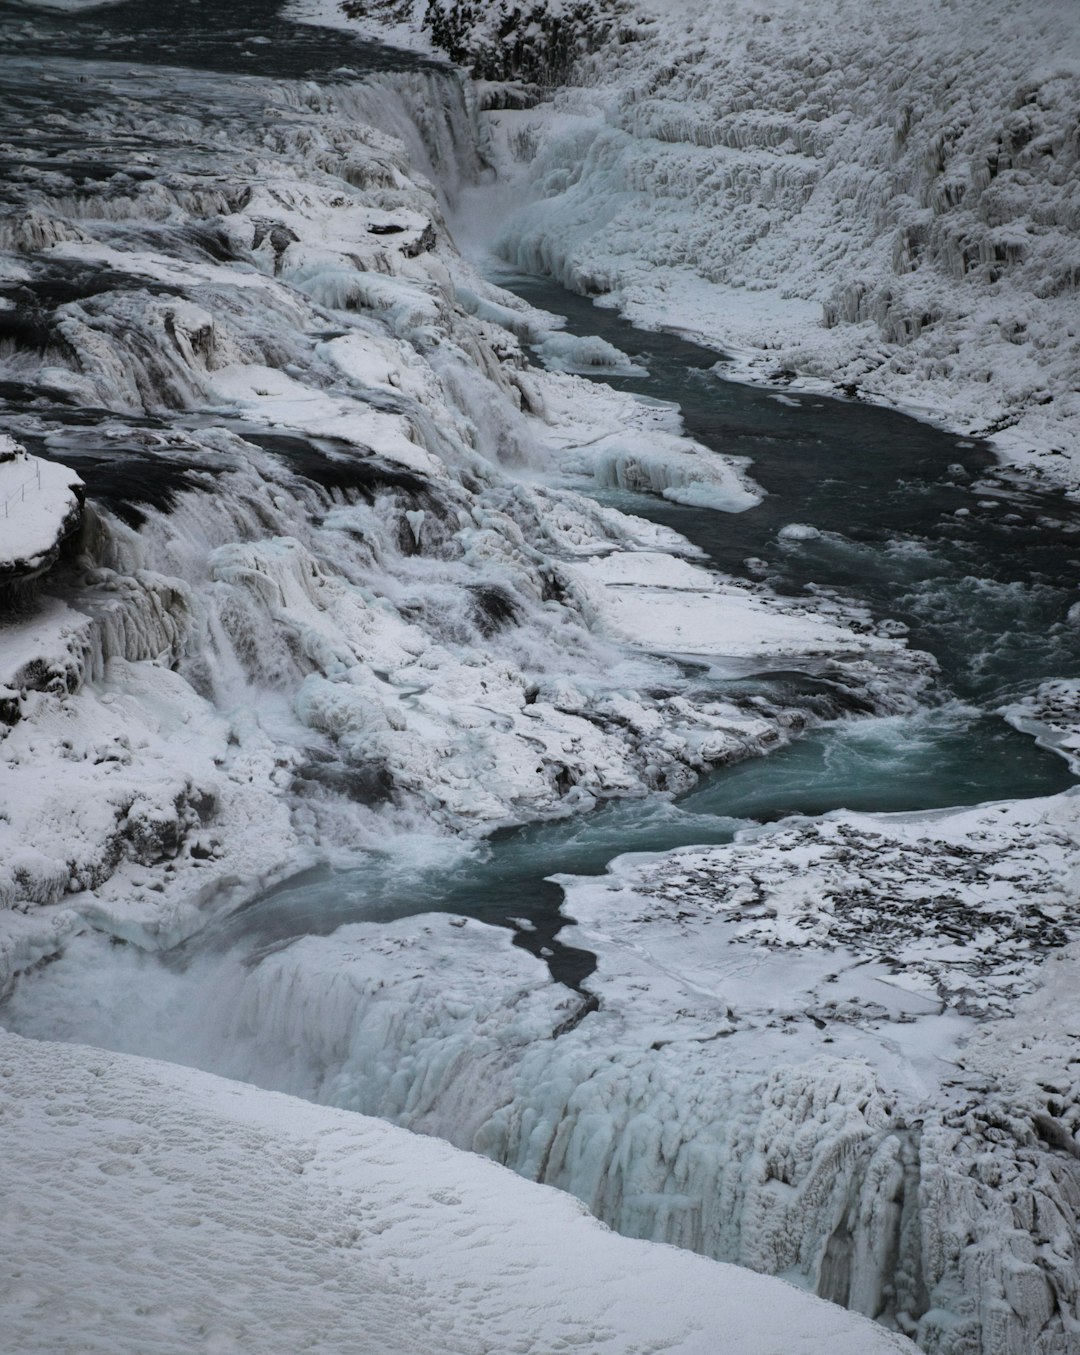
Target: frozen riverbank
pixel 783 1058
pixel 335 582
pixel 840 196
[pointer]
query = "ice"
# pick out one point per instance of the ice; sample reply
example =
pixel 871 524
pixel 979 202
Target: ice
pixel 365 591
pixel 316 1221
pixel 674 606
pixel 777 1061
pixel 1052 715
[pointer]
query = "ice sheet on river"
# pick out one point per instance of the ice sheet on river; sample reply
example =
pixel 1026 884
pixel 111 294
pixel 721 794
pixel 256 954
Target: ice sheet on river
pixel 673 606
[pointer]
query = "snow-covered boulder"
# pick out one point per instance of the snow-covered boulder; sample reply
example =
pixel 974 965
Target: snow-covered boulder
pixel 40 507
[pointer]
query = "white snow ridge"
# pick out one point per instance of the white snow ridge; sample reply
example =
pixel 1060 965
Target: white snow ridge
pixel 341 606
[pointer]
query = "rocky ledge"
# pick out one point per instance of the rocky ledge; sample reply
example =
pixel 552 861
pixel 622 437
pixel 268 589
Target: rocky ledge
pixel 40 507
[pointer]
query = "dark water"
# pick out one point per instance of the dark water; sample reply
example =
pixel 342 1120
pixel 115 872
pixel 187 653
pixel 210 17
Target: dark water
pixel 240 37
pixel 921 525
pixel 918 525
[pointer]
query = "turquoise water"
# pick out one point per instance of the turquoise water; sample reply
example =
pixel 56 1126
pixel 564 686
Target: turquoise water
pixel 986 590
pixel 914 523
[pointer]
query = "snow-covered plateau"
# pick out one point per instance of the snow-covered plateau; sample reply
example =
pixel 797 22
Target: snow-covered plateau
pixel 40 508
pixel 339 566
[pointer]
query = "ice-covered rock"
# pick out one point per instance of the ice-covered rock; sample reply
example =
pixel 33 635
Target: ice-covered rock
pixel 40 507
pixel 372 578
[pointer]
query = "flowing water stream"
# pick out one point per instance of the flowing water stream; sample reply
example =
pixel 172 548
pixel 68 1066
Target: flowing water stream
pixel 917 523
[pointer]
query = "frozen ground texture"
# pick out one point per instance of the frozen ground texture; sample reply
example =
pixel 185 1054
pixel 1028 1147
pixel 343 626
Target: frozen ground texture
pixel 213 1215
pixel 879 196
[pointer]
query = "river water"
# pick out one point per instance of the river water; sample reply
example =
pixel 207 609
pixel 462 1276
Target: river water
pixel 916 523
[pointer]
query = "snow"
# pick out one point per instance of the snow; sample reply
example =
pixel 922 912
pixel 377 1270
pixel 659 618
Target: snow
pixel 38 508
pixel 737 172
pixel 150 1207
pixel 1052 716
pixel 779 1035
pixel 315 618
pixel 675 607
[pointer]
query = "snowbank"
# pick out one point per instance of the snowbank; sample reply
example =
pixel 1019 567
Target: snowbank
pixel 150 1207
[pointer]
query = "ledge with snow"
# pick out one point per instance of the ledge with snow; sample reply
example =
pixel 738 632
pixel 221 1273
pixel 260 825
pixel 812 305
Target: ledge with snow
pixel 150 1207
pixel 40 507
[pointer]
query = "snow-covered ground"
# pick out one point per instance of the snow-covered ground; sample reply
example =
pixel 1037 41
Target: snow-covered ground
pixel 147 1207
pixel 870 196
pixel 38 509
pixel 844 1051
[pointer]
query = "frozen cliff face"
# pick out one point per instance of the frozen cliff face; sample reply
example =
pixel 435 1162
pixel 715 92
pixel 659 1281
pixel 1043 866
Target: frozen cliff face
pixel 881 197
pixel 782 1059
pixel 311 1221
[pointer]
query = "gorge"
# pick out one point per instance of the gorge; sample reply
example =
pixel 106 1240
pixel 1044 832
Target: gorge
pixel 606 738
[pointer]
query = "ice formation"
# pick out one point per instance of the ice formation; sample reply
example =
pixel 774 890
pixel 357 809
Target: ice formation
pixel 772 1064
pixel 746 171
pixel 352 534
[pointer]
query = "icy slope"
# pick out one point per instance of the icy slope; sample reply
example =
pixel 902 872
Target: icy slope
pixel 784 1058
pixel 148 1207
pixel 884 197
